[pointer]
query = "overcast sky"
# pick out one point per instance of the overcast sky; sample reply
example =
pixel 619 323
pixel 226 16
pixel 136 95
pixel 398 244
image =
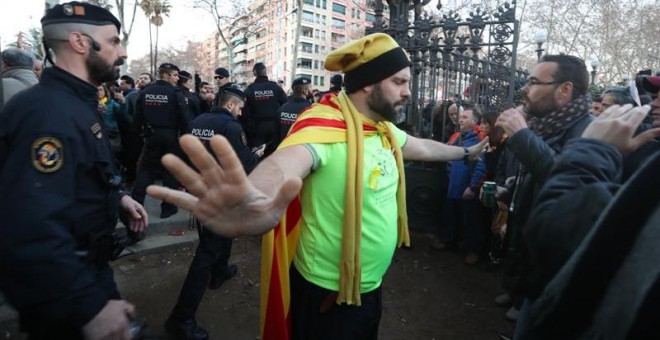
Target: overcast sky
pixel 183 24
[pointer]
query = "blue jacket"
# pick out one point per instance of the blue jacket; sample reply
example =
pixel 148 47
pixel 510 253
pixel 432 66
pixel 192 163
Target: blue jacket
pixel 463 174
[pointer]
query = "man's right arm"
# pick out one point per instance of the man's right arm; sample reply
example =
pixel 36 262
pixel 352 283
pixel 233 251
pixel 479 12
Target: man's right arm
pixel 223 197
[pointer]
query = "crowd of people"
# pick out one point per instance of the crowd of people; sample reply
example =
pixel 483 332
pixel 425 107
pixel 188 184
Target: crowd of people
pixel 537 190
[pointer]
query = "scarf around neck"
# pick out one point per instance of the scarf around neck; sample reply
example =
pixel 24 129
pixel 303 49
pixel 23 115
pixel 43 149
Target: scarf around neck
pixel 561 119
pixel 334 120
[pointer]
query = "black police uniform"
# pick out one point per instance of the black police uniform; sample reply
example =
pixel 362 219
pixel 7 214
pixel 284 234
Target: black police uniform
pixel 264 97
pixel 218 94
pixel 288 114
pixel 193 101
pixel 59 206
pixel 162 113
pixel 213 251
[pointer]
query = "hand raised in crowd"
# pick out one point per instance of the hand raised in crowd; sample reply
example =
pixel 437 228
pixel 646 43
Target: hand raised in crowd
pixel 111 322
pixel 512 121
pixel 137 215
pixel 221 195
pixel 617 126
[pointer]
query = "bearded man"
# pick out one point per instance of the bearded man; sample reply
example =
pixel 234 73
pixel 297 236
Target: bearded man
pixel 337 182
pixel 60 186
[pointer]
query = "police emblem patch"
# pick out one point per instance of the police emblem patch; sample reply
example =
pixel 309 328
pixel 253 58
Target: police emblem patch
pixel 243 138
pixel 47 154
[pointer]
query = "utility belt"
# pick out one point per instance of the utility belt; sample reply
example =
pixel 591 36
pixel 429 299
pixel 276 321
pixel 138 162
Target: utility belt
pixel 105 249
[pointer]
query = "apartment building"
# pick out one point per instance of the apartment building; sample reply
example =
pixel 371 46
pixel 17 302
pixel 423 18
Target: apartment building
pixel 269 30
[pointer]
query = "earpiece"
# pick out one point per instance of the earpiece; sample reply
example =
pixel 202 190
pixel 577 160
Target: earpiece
pixel 95 46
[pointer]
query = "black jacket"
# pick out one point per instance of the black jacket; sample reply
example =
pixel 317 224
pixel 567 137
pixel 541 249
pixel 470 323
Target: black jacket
pixel 602 245
pixel 288 114
pixel 162 105
pixel 536 156
pixel 59 199
pixel 222 122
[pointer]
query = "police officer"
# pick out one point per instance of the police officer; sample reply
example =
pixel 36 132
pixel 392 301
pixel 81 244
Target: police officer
pixel 289 112
pixel 264 97
pixel 162 114
pixel 60 198
pixel 213 251
pixel 222 80
pixel 186 84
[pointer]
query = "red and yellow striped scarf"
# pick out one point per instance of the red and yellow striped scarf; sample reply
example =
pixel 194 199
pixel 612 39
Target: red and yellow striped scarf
pixel 334 120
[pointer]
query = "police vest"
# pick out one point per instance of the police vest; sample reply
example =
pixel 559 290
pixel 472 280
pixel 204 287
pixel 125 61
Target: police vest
pixel 160 105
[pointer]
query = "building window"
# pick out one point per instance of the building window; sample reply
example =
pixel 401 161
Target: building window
pixel 304 63
pixel 306 47
pixel 338 38
pixel 261 46
pixel 322 81
pixel 316 64
pixel 338 8
pixel 316 49
pixel 309 2
pixel 306 32
pixel 308 16
pixel 316 80
pixel 338 23
pixel 371 18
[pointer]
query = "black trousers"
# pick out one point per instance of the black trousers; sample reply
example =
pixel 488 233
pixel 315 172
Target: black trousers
pixel 315 315
pixel 211 259
pixel 38 328
pixel 163 141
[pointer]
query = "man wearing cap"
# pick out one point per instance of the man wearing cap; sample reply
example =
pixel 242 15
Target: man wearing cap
pixel 296 104
pixel 162 114
pixel 60 186
pixel 335 83
pixel 340 165
pixel 210 265
pixel 222 80
pixel 260 117
pixel 186 84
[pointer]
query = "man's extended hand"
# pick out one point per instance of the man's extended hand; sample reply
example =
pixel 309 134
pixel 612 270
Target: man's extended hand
pixel 512 121
pixel 137 216
pixel 617 125
pixel 111 322
pixel 476 150
pixel 221 195
pixel 468 194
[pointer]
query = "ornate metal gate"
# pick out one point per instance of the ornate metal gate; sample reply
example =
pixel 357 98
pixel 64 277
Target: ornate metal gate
pixel 454 58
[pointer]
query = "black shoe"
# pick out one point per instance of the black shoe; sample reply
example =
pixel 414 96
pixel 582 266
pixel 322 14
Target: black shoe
pixel 217 281
pixel 186 330
pixel 167 212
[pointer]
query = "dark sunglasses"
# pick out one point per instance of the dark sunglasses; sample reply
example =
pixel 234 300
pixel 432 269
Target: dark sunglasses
pixel 219 77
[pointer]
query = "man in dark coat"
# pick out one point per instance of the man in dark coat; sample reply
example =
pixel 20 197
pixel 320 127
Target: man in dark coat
pixel 264 97
pixel 605 267
pixel 60 187
pixel 556 97
pixel 212 255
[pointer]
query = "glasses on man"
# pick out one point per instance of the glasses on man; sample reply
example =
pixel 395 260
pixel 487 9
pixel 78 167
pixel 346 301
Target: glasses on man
pixel 533 81
pixel 219 77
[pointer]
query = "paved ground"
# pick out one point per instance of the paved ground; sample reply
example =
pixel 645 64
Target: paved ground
pixel 427 294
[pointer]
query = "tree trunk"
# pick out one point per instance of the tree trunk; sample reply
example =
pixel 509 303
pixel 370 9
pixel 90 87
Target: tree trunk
pixel 156 50
pixel 151 53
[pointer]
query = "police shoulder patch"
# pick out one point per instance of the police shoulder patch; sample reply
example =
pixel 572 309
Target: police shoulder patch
pixel 243 138
pixel 47 154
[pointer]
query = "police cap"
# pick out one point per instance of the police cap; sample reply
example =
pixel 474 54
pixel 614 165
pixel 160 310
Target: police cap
pixel 168 67
pixel 184 75
pixel 222 72
pixel 301 81
pixel 235 92
pixel 80 13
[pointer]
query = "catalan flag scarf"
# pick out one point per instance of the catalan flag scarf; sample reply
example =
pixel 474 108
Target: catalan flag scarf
pixel 334 120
